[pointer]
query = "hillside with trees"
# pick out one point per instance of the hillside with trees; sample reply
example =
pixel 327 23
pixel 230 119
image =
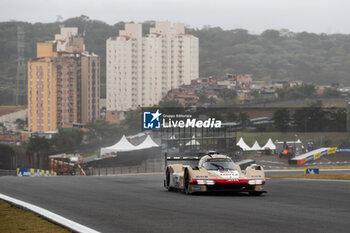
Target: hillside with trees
pixel 272 55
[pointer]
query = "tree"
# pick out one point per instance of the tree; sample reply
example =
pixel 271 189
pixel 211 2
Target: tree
pixel 21 124
pixel 311 118
pixel 228 95
pixel 282 119
pixel 67 141
pixel 202 98
pixel 132 122
pixel 298 92
pixel 231 116
pixel 101 132
pixel 339 122
pixel 169 107
pixel 38 144
pixel 330 92
pixel 168 104
pixel 244 119
pixel 271 35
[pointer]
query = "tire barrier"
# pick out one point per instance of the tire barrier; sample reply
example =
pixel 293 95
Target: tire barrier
pixel 34 172
pixel 313 155
pixel 343 150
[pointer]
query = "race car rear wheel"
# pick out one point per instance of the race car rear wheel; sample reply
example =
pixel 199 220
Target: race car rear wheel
pixel 167 180
pixel 186 182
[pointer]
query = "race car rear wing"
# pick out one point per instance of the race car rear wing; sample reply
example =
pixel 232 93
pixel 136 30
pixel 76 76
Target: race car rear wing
pixel 178 158
pixel 245 163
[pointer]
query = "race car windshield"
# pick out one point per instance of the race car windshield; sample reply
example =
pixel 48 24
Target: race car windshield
pixel 219 164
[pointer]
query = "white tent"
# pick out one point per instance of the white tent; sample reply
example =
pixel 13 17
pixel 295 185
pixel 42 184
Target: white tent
pixel 122 145
pixel 243 145
pixel 256 146
pixel 147 143
pixel 193 142
pixel 270 145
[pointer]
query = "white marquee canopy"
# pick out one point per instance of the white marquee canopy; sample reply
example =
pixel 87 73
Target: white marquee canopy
pixel 122 145
pixel 147 143
pixel 270 145
pixel 256 146
pixel 243 145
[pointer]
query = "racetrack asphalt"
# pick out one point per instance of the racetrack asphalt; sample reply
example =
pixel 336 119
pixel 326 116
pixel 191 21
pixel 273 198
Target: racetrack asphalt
pixel 139 203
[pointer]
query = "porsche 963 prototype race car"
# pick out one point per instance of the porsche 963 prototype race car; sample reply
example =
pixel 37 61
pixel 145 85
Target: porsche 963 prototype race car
pixel 214 172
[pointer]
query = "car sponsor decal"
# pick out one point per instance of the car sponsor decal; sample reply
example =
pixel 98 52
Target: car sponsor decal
pixel 226 174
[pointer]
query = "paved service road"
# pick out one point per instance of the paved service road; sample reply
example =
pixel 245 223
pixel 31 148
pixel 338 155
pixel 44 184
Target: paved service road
pixel 137 203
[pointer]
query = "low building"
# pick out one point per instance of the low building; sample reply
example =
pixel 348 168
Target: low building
pixel 115 116
pixel 184 95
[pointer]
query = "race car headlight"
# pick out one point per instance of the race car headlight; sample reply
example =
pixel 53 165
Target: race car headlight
pixel 253 182
pixel 210 182
pixel 258 182
pixel 200 181
pixel 207 182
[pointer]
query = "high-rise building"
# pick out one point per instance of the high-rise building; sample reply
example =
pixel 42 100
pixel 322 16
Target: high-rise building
pixel 63 83
pixel 42 77
pixel 142 69
pixel 90 87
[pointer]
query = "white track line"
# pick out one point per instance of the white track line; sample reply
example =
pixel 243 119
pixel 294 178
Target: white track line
pixel 49 215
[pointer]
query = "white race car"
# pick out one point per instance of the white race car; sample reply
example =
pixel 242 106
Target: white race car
pixel 214 173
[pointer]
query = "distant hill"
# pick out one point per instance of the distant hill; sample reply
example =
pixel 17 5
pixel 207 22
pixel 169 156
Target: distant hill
pixel 272 55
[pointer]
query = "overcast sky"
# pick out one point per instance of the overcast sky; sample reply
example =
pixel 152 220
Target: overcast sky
pixel 329 16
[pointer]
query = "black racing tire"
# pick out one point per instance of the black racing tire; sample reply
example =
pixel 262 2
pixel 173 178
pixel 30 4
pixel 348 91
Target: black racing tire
pixel 254 193
pixel 186 182
pixel 167 181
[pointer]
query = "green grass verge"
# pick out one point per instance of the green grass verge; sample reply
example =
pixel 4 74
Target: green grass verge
pixel 95 152
pixel 14 219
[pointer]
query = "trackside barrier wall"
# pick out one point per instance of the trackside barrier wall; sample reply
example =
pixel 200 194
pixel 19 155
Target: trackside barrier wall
pixel 313 155
pixel 34 172
pixel 4 172
pixel 343 150
pixel 149 166
pixel 127 158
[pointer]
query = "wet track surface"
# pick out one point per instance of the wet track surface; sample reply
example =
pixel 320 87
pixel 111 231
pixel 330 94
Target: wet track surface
pixel 137 203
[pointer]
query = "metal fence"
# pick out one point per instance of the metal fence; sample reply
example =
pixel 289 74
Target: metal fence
pixel 148 166
pixel 8 172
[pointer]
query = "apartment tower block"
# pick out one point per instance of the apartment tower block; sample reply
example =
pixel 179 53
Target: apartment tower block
pixel 63 83
pixel 142 69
